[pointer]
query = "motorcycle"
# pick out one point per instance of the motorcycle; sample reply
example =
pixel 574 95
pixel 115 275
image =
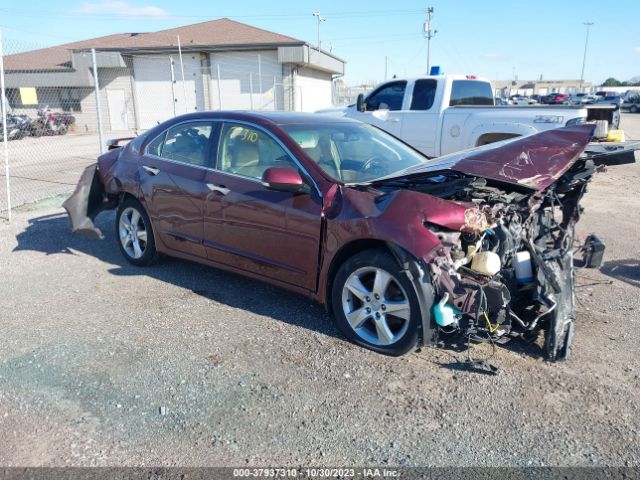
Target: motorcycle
pixel 18 126
pixel 47 123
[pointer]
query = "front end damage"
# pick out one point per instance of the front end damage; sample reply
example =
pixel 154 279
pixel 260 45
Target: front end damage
pixel 505 268
pixel 516 276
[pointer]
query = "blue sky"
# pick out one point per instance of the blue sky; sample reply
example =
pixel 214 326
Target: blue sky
pixel 491 38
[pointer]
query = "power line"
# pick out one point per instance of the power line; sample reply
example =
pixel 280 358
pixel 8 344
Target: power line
pixel 345 14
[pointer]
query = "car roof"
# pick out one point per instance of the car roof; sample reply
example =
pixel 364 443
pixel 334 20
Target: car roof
pixel 288 118
pixel 266 117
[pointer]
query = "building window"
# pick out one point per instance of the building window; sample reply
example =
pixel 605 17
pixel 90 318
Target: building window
pixel 70 99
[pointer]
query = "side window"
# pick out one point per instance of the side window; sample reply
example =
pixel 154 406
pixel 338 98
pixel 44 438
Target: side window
pixel 155 147
pixel 387 97
pixel 187 143
pixel 471 92
pixel 424 92
pixel 247 151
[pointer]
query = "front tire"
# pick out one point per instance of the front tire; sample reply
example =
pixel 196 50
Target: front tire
pixel 375 304
pixel 135 234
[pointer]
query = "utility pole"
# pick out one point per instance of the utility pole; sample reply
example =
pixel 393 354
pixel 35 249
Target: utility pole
pixel 429 34
pixel 320 20
pixel 584 58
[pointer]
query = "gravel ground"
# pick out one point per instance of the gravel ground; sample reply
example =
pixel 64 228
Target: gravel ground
pixel 103 363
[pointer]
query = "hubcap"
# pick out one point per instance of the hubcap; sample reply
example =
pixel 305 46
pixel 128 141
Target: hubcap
pixel 376 306
pixel 133 233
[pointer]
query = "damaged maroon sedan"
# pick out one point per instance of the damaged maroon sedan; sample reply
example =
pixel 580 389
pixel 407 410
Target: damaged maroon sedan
pixel 404 250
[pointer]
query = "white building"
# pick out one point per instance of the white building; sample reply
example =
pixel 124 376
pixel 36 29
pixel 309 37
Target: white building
pixel 143 80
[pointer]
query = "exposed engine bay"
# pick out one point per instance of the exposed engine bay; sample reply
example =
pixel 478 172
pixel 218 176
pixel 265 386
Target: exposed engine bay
pixel 509 270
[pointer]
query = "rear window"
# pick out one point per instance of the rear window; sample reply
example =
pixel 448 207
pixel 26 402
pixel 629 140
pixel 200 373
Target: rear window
pixel 424 92
pixel 471 92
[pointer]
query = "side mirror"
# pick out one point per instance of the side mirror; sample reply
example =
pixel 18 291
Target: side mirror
pixel 360 106
pixel 283 179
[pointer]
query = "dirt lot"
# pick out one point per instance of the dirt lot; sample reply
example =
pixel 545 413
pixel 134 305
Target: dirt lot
pixel 102 363
pixel 43 167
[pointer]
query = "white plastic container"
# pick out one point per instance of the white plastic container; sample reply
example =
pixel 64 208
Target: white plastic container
pixel 602 129
pixel 524 272
pixel 487 263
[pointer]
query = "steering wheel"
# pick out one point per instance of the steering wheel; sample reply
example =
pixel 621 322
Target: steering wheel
pixel 373 165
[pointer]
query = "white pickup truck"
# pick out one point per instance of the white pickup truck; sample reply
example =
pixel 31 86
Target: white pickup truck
pixel 447 113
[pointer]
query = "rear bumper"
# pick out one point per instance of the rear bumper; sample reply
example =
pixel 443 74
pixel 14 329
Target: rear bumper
pixel 88 199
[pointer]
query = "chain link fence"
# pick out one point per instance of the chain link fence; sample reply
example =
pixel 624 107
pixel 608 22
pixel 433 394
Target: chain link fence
pixel 57 119
pixel 46 141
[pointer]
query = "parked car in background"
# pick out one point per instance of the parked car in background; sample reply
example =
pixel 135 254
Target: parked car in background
pixel 521 100
pixel 403 250
pixel 629 97
pixel 501 101
pixel 633 106
pixel 612 100
pixel 575 98
pixel 556 98
pixel 588 99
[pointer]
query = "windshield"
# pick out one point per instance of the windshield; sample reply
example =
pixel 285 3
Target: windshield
pixel 353 152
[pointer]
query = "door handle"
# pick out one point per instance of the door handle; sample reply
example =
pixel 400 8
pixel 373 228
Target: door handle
pixel 218 188
pixel 151 170
pixel 393 120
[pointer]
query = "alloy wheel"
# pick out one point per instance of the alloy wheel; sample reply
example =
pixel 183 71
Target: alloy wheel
pixel 133 232
pixel 376 306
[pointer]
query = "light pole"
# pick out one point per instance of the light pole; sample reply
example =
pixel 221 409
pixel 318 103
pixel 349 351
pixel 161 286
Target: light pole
pixel 429 34
pixel 584 58
pixel 320 20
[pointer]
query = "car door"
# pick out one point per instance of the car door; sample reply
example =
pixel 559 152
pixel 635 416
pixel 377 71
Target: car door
pixel 383 107
pixel 420 122
pixel 172 173
pixel 270 233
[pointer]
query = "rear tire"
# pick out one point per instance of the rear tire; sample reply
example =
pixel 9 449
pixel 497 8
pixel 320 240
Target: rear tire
pixel 134 234
pixel 633 109
pixel 375 305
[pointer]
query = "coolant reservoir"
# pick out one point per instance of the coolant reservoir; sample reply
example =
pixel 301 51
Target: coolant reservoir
pixel 487 263
pixel 524 272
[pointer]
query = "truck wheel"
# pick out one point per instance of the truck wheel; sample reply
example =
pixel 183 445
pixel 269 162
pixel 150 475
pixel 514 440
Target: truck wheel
pixel 633 109
pixel 375 304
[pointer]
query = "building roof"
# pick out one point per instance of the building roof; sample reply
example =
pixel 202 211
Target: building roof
pixel 214 33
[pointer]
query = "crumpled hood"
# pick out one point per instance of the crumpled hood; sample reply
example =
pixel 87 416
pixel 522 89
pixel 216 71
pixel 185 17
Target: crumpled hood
pixel 535 161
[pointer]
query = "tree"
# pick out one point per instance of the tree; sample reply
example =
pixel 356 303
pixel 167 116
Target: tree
pixel 612 82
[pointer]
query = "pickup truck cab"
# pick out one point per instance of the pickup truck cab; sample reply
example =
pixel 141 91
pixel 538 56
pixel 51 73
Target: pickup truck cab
pixel 447 113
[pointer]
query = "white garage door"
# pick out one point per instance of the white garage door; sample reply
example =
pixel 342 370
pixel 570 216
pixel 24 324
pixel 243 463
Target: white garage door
pixel 313 90
pixel 246 81
pixel 156 98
